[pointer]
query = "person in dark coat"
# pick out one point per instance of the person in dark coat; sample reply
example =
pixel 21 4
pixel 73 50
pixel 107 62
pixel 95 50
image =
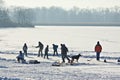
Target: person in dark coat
pixel 40 46
pixel 25 48
pixel 46 52
pixel 98 49
pixel 64 51
pixel 55 47
pixel 20 57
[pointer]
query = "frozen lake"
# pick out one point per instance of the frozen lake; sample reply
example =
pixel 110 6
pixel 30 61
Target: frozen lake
pixel 79 39
pixel 76 38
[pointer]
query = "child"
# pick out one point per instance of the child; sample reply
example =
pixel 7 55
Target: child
pixel 46 51
pixel 25 48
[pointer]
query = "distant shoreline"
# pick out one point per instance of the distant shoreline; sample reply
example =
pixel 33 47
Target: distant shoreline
pixel 105 24
pixel 80 24
pixel 17 25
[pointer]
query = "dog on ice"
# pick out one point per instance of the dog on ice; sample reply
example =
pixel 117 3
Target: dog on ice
pixel 75 57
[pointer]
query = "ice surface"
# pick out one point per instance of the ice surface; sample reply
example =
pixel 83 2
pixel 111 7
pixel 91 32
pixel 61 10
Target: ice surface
pixel 78 39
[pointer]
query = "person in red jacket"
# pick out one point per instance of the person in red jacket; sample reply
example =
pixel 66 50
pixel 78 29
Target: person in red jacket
pixel 98 49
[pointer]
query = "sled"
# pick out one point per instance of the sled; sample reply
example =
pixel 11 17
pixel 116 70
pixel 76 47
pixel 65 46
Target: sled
pixel 118 60
pixel 33 62
pixel 60 64
pixel 56 64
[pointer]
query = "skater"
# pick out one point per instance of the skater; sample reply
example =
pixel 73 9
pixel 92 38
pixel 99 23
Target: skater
pixel 40 46
pixel 55 47
pixel 64 51
pixel 46 52
pixel 98 49
pixel 25 48
pixel 20 57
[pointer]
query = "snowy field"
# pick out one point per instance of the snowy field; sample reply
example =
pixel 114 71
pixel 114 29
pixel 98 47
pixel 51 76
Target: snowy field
pixel 78 40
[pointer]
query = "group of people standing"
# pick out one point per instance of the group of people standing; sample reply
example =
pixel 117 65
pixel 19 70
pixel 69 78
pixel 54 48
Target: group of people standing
pixel 64 50
pixel 40 51
pixel 41 46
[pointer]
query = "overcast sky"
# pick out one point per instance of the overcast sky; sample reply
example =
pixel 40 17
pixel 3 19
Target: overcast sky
pixel 67 4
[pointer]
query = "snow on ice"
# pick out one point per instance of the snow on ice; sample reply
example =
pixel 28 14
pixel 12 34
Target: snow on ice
pixel 78 39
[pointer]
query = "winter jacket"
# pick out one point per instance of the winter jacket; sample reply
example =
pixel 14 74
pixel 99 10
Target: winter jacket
pixel 40 45
pixel 55 47
pixel 64 50
pixel 21 56
pixel 25 48
pixel 46 50
pixel 98 48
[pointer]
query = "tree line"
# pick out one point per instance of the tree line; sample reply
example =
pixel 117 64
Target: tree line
pixel 21 16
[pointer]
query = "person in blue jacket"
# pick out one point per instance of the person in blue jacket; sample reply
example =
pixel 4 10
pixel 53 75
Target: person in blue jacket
pixel 20 57
pixel 55 47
